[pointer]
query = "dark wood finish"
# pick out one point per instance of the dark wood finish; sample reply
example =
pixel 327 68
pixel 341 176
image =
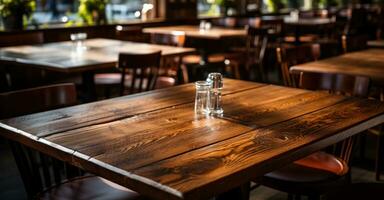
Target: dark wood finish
pixel 154 143
pixel 143 70
pixel 335 83
pixel 352 43
pixel 289 56
pixel 317 173
pixel 39 99
pixel 368 63
pixel 22 39
pixel 194 31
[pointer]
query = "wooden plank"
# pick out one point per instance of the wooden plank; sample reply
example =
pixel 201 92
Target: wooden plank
pixel 55 121
pixel 213 169
pixel 138 138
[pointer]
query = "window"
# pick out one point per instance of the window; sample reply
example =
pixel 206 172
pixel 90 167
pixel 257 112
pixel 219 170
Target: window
pixel 64 11
pixel 210 8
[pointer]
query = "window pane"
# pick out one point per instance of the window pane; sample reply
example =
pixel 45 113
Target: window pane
pixel 62 11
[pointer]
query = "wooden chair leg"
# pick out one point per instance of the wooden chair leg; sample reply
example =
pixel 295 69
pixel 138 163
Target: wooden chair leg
pixel 379 155
pixel 362 141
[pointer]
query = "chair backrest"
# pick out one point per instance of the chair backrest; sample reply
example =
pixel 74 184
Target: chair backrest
pixel 338 84
pixel 176 39
pixel 37 170
pixel 37 99
pixel 143 70
pixel 295 55
pixel 352 43
pixel 256 43
pixel 131 33
pixel 229 22
pixel 335 83
pixel 16 39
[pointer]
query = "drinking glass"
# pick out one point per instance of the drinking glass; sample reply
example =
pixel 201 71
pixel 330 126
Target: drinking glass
pixel 77 39
pixel 202 98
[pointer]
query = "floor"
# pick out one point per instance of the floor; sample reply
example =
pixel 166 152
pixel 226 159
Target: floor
pixel 11 187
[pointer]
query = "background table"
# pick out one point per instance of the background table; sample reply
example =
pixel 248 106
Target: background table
pixel 154 144
pixel 368 63
pixel 308 24
pixel 66 58
pixel 195 31
pixel 376 43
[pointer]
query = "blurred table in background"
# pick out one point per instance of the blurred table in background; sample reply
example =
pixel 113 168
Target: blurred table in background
pixel 68 57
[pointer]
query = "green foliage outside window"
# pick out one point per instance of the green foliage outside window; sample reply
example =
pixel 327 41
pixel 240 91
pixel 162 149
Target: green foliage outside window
pixel 17 7
pixel 93 11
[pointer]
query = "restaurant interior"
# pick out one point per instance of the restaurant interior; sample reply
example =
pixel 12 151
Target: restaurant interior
pixel 191 99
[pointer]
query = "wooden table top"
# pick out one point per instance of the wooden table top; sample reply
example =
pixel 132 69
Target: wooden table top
pixel 308 21
pixel 194 31
pixel 368 63
pixel 376 43
pixel 65 57
pixel 153 142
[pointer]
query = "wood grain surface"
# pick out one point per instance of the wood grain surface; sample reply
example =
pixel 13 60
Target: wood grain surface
pixel 154 144
pixel 97 54
pixel 194 31
pixel 369 63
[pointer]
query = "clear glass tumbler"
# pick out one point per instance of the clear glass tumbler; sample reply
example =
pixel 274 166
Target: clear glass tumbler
pixel 216 82
pixel 202 98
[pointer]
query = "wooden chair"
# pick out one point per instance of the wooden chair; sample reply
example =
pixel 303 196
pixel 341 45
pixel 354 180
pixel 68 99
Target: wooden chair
pixel 131 33
pixel 294 55
pixel 28 101
pixel 45 177
pixel 352 43
pixel 19 77
pixel 252 56
pixel 317 173
pixel 139 73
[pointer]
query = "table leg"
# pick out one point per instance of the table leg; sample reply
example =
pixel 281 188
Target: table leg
pixel 88 85
pixel 297 35
pixel 239 193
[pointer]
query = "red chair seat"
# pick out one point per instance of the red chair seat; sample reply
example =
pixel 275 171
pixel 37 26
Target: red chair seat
pixel 316 167
pixel 115 79
pixel 88 187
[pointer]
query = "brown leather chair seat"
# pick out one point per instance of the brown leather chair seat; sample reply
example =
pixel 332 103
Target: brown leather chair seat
pixel 313 169
pixel 88 187
pixel 115 79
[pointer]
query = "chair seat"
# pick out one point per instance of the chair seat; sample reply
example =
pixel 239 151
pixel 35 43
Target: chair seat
pixel 316 167
pixel 304 38
pixel 195 59
pixel 88 187
pixel 115 79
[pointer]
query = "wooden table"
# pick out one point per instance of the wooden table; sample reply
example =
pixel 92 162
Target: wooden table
pixel 65 57
pixel 303 23
pixel 214 40
pixel 368 63
pixel 376 43
pixel 154 144
pixel 194 31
